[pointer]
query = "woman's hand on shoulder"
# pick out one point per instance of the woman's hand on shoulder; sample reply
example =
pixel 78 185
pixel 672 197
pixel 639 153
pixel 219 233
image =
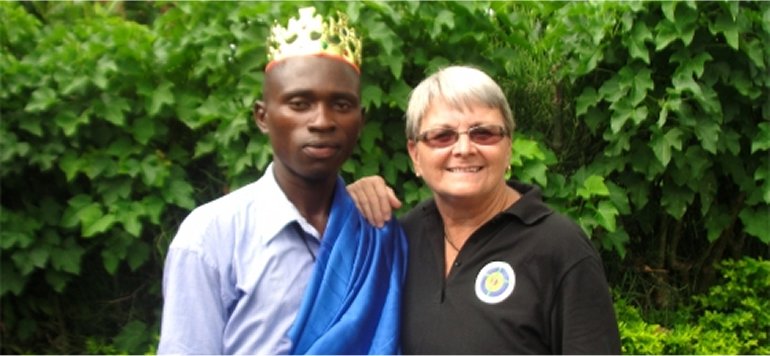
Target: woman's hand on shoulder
pixel 374 199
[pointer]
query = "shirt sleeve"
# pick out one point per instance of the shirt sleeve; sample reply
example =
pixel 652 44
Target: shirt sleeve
pixel 583 317
pixel 194 312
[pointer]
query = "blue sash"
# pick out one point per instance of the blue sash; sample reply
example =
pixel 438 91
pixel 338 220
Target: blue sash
pixel 352 304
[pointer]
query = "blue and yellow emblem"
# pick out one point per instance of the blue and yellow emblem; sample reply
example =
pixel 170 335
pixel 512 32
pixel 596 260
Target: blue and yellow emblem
pixel 495 282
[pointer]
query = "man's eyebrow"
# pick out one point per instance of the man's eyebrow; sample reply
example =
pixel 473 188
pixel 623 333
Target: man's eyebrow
pixel 298 92
pixel 345 95
pixel 308 93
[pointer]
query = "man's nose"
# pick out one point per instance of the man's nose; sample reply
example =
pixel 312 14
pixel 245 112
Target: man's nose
pixel 323 119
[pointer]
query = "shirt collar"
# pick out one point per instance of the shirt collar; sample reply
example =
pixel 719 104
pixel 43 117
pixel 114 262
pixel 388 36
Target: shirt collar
pixel 277 209
pixel 529 209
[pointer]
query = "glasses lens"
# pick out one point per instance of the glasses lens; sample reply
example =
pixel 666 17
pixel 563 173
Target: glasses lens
pixel 482 135
pixel 441 137
pixel 485 135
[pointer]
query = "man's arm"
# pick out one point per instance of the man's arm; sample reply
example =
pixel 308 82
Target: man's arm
pixel 374 199
pixel 194 313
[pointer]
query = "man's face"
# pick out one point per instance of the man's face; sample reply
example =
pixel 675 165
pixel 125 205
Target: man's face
pixel 312 114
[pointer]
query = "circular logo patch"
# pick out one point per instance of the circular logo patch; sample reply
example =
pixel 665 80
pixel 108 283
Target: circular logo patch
pixel 495 282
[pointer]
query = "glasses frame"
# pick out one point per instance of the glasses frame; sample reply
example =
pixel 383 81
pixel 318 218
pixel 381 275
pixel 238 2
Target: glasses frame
pixel 497 131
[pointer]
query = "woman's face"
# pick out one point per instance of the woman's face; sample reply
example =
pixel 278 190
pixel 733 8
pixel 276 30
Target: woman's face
pixel 463 169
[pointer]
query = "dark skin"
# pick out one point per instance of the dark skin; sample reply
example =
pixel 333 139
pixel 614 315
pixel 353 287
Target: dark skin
pixel 311 110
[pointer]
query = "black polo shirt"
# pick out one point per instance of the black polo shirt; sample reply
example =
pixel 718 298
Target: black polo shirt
pixel 526 282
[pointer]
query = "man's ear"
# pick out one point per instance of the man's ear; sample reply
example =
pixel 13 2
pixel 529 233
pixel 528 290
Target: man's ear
pixel 260 115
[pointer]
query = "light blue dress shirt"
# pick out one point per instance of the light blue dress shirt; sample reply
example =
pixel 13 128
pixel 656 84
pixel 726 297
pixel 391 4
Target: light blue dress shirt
pixel 235 274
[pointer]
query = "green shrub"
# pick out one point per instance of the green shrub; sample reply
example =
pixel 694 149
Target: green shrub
pixel 731 318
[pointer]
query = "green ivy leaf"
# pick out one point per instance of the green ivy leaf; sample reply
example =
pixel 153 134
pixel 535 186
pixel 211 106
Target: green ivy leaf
pixel 42 99
pixel 606 214
pixel 662 144
pixel 29 260
pixel 381 33
pixel 371 94
pixel 180 193
pixel 162 95
pixel 587 99
pixel 186 109
pixel 71 165
pixel 445 18
pixel 621 112
pixel 57 280
pixel 716 222
pixel 593 186
pixel 98 225
pixel 641 85
pixel 595 118
pixel 637 47
pixel 401 162
pixel 144 129
pixel 68 121
pixel 691 65
pixel 99 165
pixel 114 107
pixel 111 260
pixel 708 134
pixel 669 10
pixel 395 62
pixel 398 94
pixel 129 216
pixel 726 25
pixel 80 208
pixel 756 223
pixel 676 200
pixel 761 141
pixel 369 135
pixel 616 87
pixel 137 254
pixel 154 206
pixel 67 258
pixel 527 149
pixel 616 240
pixel 665 33
pixel 32 125
pixel 132 338
pixel 754 49
pixel 13 281
pixel 105 69
pixel 686 24
pixel 76 85
pixel 534 172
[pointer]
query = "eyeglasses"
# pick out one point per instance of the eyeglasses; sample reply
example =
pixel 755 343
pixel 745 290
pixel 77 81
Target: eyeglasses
pixel 443 137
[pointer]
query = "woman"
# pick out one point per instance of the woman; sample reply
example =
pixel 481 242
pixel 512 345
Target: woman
pixel 492 269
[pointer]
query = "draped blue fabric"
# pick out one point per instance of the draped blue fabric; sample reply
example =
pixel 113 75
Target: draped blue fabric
pixel 352 304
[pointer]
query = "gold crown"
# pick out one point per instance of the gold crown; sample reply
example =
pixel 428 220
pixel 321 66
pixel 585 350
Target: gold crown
pixel 310 35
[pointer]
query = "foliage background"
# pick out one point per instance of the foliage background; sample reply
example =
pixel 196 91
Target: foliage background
pixel 647 122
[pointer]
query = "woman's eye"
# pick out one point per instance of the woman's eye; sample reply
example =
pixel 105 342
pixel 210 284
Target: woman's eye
pixel 443 136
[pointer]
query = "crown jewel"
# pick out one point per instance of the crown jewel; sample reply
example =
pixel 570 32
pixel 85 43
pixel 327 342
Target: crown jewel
pixel 311 35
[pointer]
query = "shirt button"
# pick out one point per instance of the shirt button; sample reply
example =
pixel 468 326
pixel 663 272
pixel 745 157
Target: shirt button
pixel 457 264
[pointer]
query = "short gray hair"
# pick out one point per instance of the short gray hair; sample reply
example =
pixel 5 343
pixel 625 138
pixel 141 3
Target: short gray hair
pixel 460 87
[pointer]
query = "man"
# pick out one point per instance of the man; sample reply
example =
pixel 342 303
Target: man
pixel 236 273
